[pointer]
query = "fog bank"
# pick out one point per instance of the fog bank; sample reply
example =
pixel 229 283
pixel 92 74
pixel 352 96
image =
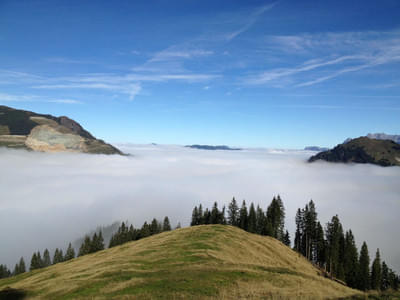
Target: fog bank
pixel 47 200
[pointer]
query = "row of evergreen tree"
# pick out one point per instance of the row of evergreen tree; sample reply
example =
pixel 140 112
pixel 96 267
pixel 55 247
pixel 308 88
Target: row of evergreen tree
pixel 330 248
pixel 335 251
pixel 254 220
pixel 89 245
pixel 126 233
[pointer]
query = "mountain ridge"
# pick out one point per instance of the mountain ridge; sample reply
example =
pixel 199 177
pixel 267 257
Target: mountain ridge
pixel 46 133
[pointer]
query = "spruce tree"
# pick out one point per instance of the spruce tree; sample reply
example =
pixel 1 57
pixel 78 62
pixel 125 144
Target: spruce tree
pixel 4 272
pixel 363 274
pixel 215 214
pixel 70 253
pixel 46 258
pixel 376 272
pixel 286 239
pixel 195 217
pixel 252 219
pixel 275 218
pixel 243 216
pixel 85 247
pixel 334 241
pixel 320 245
pixel 34 262
pixel 233 213
pixel 260 226
pixel 350 260
pixel 385 282
pixel 166 225
pixel 100 242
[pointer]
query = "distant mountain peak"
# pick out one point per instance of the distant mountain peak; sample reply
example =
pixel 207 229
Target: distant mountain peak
pixel 363 150
pixel 46 133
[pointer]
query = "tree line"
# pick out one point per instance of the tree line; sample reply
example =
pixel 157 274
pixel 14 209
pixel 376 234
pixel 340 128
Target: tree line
pixel 330 248
pixel 90 244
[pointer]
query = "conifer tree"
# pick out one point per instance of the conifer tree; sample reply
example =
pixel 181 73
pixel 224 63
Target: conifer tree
pixel 100 241
pixel 34 262
pixel 155 227
pixel 46 258
pixel 243 216
pixel 195 217
pixel 299 229
pixel 145 230
pixel 385 282
pixel 350 260
pixel 4 272
pixel 70 253
pixel 252 219
pixel 376 272
pixel 20 267
pixel 275 218
pixel 363 274
pixel 286 239
pixel 166 224
pixel 320 246
pixel 85 248
pixel 260 218
pixel 215 214
pixel 200 215
pixel 233 213
pixel 334 234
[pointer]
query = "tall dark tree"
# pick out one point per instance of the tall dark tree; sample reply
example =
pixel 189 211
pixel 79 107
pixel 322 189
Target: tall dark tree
pixel 233 213
pixel 58 256
pixel 385 282
pixel 350 260
pixel 275 218
pixel 363 274
pixel 70 253
pixel 4 272
pixel 215 214
pixel 243 216
pixel 21 266
pixel 260 224
pixel 166 224
pixel 85 248
pixel 36 261
pixel 299 231
pixel 320 246
pixel 286 239
pixel 376 272
pixel 334 239
pixel 195 217
pixel 155 227
pixel 46 258
pixel 252 219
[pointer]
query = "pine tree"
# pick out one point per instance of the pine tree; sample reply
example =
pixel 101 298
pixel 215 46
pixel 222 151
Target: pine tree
pixel 166 225
pixel 155 227
pixel 350 260
pixel 275 218
pixel 100 242
pixel 376 272
pixel 200 215
pixel 320 245
pixel 299 230
pixel 145 230
pixel 86 246
pixel 233 213
pixel 4 272
pixel 34 262
pixel 215 214
pixel 243 222
pixel 39 260
pixel 70 253
pixel 252 220
pixel 195 217
pixel 260 217
pixel 334 241
pixel 363 274
pixel 286 239
pixel 46 258
pixel 385 282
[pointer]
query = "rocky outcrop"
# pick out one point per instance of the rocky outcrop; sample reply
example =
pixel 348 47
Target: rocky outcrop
pixel 24 129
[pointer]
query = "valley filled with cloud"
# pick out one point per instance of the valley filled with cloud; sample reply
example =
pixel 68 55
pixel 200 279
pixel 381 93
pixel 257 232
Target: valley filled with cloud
pixel 48 200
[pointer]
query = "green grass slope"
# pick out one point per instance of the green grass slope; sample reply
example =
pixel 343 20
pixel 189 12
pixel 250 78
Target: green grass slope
pixel 202 262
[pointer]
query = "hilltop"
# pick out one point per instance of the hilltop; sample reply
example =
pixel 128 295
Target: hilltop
pixel 38 132
pixel 210 147
pixel 363 150
pixel 200 262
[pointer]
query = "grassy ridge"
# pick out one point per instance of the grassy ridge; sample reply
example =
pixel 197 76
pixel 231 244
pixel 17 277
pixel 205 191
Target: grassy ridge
pixel 202 262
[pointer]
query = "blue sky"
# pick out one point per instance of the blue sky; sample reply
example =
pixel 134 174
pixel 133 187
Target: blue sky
pixel 245 73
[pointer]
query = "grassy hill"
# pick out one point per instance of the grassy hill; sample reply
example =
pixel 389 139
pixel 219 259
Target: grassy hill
pixel 201 262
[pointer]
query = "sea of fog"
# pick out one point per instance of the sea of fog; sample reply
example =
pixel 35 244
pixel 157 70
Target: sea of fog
pixel 47 200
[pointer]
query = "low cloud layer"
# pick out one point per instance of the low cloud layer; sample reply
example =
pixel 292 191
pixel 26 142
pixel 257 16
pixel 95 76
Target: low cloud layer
pixel 47 200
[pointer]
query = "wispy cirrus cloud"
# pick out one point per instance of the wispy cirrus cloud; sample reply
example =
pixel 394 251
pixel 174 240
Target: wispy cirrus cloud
pixel 35 98
pixel 179 54
pixel 327 55
pixel 249 22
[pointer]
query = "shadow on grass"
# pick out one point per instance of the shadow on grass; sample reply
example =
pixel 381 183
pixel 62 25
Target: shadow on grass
pixel 12 294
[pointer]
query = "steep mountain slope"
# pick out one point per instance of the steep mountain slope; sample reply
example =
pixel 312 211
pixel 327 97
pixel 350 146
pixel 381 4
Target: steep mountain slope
pixel 363 150
pixel 201 262
pixel 29 130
